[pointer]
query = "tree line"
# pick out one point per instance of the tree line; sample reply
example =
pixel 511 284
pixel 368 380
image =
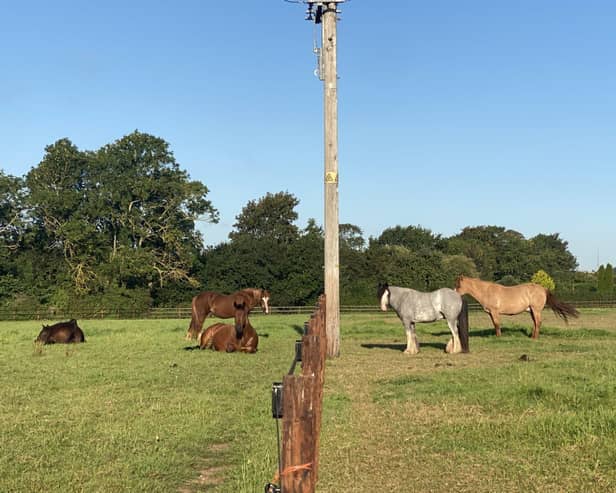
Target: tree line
pixel 116 227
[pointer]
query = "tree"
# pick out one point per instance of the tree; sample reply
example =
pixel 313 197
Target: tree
pixel 601 279
pixel 456 265
pixel 605 279
pixel 356 285
pixel 12 229
pixel 609 278
pixel 496 251
pixel 351 236
pixel 542 278
pixel 272 216
pixel 415 238
pixel 150 210
pixel 11 212
pixel 122 216
pixel 550 252
pixel 57 193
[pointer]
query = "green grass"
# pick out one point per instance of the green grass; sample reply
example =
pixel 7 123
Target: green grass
pixel 135 409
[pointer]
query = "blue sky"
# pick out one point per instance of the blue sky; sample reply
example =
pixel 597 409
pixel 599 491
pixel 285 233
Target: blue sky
pixel 451 114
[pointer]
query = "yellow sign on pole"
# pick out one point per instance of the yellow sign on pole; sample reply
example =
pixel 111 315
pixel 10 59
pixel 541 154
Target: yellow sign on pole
pixel 331 177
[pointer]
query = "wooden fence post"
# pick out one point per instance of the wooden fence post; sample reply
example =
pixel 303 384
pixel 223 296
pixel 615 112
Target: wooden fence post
pixel 302 406
pixel 298 437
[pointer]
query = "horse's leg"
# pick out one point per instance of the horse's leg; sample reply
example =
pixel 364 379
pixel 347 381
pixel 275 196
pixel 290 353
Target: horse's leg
pixel 412 346
pixel 201 322
pixel 536 316
pixel 249 345
pixel 454 345
pixel 496 321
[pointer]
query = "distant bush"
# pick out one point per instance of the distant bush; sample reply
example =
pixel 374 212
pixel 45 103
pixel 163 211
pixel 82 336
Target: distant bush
pixel 542 278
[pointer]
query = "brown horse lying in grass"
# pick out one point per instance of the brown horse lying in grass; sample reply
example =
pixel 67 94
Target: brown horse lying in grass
pixel 223 306
pixel 500 300
pixel 62 332
pixel 224 337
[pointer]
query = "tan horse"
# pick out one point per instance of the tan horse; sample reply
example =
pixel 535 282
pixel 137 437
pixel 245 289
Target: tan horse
pixel 500 300
pixel 223 306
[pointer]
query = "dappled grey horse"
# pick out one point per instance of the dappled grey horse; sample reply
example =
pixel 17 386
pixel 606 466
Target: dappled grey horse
pixel 415 306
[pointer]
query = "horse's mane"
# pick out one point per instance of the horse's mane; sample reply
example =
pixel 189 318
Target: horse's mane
pixel 382 287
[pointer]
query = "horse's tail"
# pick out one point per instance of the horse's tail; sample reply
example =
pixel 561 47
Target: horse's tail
pixel 463 327
pixel 195 324
pixel 560 308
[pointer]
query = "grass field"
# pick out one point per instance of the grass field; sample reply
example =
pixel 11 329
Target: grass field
pixel 136 409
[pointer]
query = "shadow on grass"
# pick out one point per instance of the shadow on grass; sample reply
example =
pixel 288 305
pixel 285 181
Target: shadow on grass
pixel 402 347
pixel 505 331
pixel 394 347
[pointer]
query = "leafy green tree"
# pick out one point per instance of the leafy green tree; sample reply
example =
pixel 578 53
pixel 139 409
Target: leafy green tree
pixel 356 285
pixel 272 216
pixel 150 211
pixel 609 278
pixel 605 279
pixel 12 229
pixel 121 216
pixel 478 245
pixel 508 280
pixel 542 278
pixel 287 261
pixel 402 267
pixel 415 238
pixel 453 266
pixel 301 278
pixel 351 236
pixel 601 279
pixel 496 251
pixel 550 252
pixel 11 212
pixel 57 193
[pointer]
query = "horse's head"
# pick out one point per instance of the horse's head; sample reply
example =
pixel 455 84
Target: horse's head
pixel 44 335
pixel 461 285
pixel 240 307
pixel 382 294
pixel 265 296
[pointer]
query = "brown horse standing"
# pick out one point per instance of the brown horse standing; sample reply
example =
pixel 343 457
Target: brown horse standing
pixel 223 306
pixel 500 300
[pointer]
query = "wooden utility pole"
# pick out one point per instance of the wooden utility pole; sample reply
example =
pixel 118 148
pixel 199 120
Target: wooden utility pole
pixel 330 107
pixel 326 14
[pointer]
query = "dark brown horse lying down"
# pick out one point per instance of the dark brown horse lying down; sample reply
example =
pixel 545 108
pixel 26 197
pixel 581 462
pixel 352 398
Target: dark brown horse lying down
pixel 224 337
pixel 62 332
